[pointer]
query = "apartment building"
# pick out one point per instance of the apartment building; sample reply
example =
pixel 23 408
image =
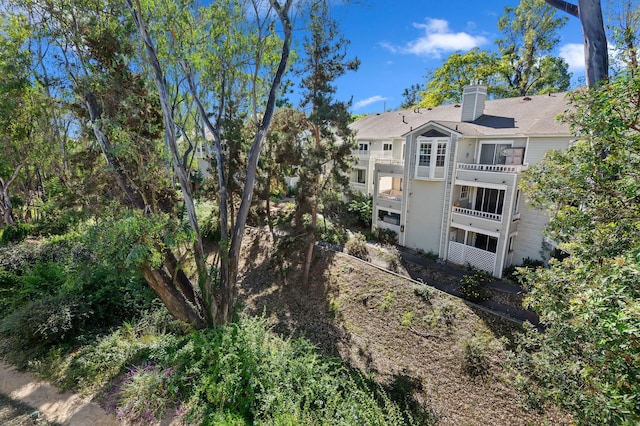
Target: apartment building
pixel 445 179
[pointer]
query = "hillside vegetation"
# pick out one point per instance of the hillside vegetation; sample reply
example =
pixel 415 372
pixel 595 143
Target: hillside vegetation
pixel 356 346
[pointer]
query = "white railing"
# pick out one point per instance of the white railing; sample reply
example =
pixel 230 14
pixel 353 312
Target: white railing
pixel 462 254
pixel 478 213
pixel 500 168
pixel 382 154
pixel 360 152
pixel 392 161
pixel 391 195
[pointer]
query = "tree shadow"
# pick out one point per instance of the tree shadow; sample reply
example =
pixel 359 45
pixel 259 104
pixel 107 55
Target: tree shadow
pixel 293 309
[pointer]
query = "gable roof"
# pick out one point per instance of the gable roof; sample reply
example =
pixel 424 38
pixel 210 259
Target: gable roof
pixel 531 115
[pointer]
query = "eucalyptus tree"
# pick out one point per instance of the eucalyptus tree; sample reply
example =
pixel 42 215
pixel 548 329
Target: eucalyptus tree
pixel 243 46
pixel 134 98
pixel 21 140
pixel 595 39
pixel 588 357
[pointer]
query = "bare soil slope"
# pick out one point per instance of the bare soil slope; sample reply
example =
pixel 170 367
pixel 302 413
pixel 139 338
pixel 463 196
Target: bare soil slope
pixel 379 324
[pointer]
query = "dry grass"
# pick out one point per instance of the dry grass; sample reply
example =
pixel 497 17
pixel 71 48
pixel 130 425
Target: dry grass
pixel 449 355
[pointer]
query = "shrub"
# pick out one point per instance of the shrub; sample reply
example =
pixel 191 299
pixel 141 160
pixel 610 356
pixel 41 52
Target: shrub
pixel 357 246
pixel 361 208
pixel 245 373
pixel 516 273
pixel 392 257
pixel 476 358
pixel 385 236
pixel 146 394
pixel 425 292
pixel 14 233
pixel 472 286
pixel 35 327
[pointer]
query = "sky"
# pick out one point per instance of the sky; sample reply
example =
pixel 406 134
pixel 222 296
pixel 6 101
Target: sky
pixel 399 41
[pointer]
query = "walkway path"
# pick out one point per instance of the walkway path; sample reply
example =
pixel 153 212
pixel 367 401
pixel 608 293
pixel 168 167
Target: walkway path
pixel 60 407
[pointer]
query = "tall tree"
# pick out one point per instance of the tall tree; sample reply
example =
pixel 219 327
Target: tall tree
pixel 411 96
pixel 19 111
pixel 595 39
pixel 329 142
pixel 102 49
pixel 445 84
pixel 530 35
pixel 219 298
pixel 588 357
pixel 624 27
pixel 524 65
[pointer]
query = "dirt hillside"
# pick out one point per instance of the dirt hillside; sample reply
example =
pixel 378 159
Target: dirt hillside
pixel 449 354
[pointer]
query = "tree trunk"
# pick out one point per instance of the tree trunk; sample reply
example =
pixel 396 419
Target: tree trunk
pixel 595 42
pixel 595 39
pixel 175 301
pixel 6 207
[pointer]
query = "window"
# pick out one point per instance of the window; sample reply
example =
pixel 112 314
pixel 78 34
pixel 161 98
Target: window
pixel 485 242
pixel 424 157
pixel 389 217
pixel 464 192
pixel 492 153
pixel 512 240
pixel 387 146
pixel 363 146
pixel 360 175
pixel 440 154
pixel 489 200
pixel 516 206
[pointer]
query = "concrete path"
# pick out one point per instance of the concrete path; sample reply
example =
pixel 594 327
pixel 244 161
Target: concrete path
pixel 64 408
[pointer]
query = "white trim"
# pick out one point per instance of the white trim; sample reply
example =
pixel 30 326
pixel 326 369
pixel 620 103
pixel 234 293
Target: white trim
pixel 477 230
pixel 479 184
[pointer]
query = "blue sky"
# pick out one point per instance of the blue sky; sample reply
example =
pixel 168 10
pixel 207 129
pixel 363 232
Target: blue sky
pixel 398 41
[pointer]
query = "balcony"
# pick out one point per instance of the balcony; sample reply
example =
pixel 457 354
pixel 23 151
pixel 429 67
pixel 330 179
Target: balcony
pixel 495 168
pixel 362 153
pixel 477 213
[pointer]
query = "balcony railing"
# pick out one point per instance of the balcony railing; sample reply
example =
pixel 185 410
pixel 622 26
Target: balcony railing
pixel 364 153
pixel 478 213
pixel 392 194
pixel 499 168
pixel 395 162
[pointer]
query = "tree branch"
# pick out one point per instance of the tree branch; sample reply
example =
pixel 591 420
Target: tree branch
pixel 565 6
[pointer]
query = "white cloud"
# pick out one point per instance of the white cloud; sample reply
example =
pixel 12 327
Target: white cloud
pixel 573 54
pixel 366 102
pixel 437 39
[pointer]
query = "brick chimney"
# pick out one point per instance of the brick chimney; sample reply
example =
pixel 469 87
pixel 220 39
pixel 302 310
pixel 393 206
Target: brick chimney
pixel 473 98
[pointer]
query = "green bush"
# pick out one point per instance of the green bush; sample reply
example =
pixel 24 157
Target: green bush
pixel 385 236
pixel 392 257
pixel 472 286
pixel 14 233
pixel 476 356
pixel 244 372
pixel 112 295
pixel 32 329
pixel 515 273
pixel 357 246
pixel 361 208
